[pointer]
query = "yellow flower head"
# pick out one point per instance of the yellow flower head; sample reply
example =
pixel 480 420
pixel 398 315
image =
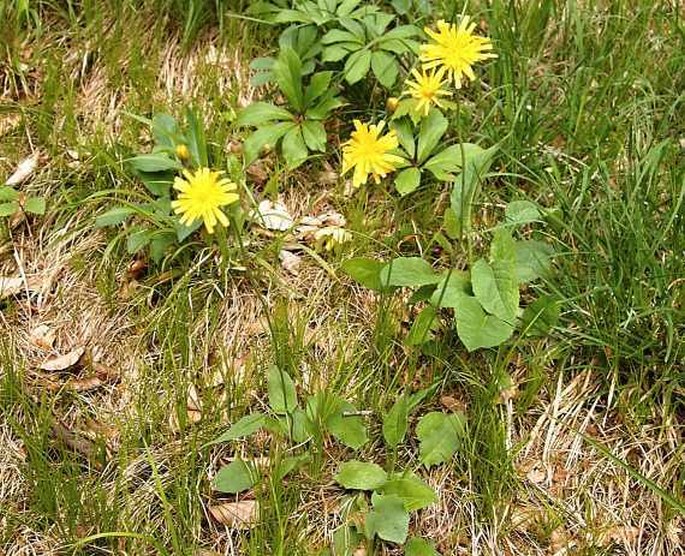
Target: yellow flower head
pixel 427 88
pixel 456 49
pixel 331 237
pixel 201 196
pixel 369 153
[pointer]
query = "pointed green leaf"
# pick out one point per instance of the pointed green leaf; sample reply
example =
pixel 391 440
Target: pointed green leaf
pixel 357 66
pixel 262 137
pixel 408 271
pixel 154 163
pixel 294 148
pixel 314 135
pixel 281 388
pixel 540 316
pixel 414 493
pixel 432 129
pixel 440 435
pixel 532 260
pixel 422 328
pixel 260 113
pixel 396 421
pixel 234 477
pixel 245 426
pixel 114 216
pixel 385 68
pixel 522 212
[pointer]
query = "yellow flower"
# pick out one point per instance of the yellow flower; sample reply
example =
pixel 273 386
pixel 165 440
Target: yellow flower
pixel 331 237
pixel 369 153
pixel 456 49
pixel 202 194
pixel 427 89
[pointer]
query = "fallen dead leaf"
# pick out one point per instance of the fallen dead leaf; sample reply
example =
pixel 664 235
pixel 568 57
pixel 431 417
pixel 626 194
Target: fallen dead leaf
pixel 10 286
pixel 452 404
pixel 24 170
pixel 289 261
pixel 84 384
pixel 272 216
pixel 237 515
pixel 194 404
pixel 42 336
pixel 63 362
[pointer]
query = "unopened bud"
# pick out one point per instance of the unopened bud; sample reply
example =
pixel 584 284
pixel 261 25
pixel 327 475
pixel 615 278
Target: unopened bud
pixel 182 152
pixel 391 104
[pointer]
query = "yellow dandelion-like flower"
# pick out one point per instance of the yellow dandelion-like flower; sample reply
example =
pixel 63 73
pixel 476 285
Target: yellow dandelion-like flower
pixel 427 89
pixel 456 49
pixel 369 153
pixel 330 237
pixel 201 196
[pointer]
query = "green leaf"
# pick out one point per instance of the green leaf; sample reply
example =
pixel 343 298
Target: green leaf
pixel 340 36
pixel 157 183
pixel 154 163
pixel 234 477
pixel 300 426
pixel 396 421
pixel 113 216
pixel 451 223
pixel 35 205
pixel 422 328
pixel 432 129
pixel 197 142
pixel 314 135
pixel 288 73
pixel 8 209
pixel 414 493
pixel 348 429
pixel 345 541
pixel 477 329
pixel 281 389
pixel 540 316
pixel 467 183
pixel 263 136
pixel 260 113
pixel 165 131
pixel 160 245
pixel 8 193
pixel 359 475
pixel 385 68
pixel 417 546
pixel 357 66
pixel 365 271
pixel 183 231
pixel 388 519
pixel 137 240
pixel 245 426
pixel 405 135
pixel 318 85
pixel 440 435
pixel 336 52
pixel 294 148
pixel 522 212
pixel 451 290
pixel 495 285
pixel 408 271
pixel 533 260
pixel 407 181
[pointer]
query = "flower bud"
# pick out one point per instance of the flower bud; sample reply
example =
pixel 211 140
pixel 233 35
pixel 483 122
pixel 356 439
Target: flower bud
pixel 182 152
pixel 391 104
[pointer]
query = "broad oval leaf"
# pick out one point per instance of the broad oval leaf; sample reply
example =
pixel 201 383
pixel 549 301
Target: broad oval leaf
pixel 360 475
pixel 357 66
pixel 365 271
pixel 234 477
pixel 154 163
pixel 477 329
pixel 414 493
pixel 388 519
pixel 396 421
pixel 408 271
pixel 294 148
pixel 281 389
pixel 533 260
pixel 407 181
pixel 440 435
pixel 260 113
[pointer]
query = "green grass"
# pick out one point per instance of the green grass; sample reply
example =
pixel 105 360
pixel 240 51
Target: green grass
pixel 586 102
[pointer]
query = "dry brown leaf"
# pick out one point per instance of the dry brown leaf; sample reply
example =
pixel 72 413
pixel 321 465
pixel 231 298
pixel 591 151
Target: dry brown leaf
pixel 453 404
pixel 42 336
pixel 290 262
pixel 194 404
pixel 84 384
pixel 63 362
pixel 10 286
pixel 237 515
pixel 536 474
pixel 272 216
pixel 24 170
